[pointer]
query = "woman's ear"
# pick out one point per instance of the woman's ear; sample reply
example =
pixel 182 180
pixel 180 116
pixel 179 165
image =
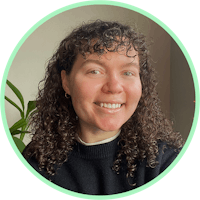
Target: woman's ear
pixel 65 81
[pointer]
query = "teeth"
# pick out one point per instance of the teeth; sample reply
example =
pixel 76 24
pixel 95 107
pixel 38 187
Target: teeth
pixel 113 105
pixel 109 105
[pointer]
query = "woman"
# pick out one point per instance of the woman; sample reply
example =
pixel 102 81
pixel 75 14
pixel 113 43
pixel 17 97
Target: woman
pixel 99 128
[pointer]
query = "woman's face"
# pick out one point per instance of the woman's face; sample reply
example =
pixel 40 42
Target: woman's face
pixel 105 90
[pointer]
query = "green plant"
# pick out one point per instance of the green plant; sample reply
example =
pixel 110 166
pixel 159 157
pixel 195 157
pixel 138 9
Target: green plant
pixel 22 125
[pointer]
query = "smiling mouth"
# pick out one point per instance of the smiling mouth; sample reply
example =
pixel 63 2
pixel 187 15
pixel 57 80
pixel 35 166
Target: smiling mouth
pixel 109 105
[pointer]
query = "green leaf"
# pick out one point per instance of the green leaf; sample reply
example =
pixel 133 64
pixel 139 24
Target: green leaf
pixel 17 92
pixel 20 145
pixel 31 107
pixel 18 124
pixel 15 132
pixel 16 106
pixel 32 113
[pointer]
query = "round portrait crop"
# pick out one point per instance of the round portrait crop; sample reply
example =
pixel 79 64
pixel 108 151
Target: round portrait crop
pixel 97 125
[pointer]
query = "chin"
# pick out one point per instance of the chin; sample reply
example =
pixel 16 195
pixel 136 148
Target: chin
pixel 110 127
pixel 111 124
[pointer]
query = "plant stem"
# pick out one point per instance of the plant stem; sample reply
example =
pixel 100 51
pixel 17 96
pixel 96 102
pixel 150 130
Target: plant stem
pixel 22 134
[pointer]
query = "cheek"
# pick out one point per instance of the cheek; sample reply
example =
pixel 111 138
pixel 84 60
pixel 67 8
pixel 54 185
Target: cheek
pixel 135 92
pixel 84 91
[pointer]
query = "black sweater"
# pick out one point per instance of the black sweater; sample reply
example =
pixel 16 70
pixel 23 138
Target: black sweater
pixel 88 169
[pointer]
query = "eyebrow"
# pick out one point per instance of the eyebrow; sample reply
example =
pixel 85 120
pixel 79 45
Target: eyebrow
pixel 92 61
pixel 132 63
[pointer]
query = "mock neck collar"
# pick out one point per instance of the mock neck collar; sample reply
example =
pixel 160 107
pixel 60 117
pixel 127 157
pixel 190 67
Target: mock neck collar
pixel 99 142
pixel 97 151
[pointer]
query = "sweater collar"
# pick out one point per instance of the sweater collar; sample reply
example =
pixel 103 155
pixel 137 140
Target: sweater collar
pixel 97 151
pixel 100 142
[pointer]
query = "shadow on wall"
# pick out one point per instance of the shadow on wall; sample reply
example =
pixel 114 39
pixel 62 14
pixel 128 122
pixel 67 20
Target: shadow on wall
pixel 182 93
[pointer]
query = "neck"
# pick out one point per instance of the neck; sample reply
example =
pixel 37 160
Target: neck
pixel 96 136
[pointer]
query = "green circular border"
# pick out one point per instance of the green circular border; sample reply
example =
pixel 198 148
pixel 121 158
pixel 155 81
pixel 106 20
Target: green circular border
pixel 113 3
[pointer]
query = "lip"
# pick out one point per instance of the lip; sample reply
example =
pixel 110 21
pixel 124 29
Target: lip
pixel 111 102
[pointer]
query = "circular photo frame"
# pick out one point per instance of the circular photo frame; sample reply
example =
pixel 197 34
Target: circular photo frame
pixel 39 43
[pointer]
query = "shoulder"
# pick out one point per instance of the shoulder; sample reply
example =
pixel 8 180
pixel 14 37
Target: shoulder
pixel 166 155
pixel 31 159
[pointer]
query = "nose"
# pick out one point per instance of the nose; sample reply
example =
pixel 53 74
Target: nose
pixel 112 84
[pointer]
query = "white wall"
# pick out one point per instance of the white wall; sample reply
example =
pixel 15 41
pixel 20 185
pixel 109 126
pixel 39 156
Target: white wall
pixel 28 66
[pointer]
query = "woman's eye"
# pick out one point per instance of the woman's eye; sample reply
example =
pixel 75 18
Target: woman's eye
pixel 128 73
pixel 95 72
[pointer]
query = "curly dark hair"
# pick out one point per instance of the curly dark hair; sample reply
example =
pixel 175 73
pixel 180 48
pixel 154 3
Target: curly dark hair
pixel 55 123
